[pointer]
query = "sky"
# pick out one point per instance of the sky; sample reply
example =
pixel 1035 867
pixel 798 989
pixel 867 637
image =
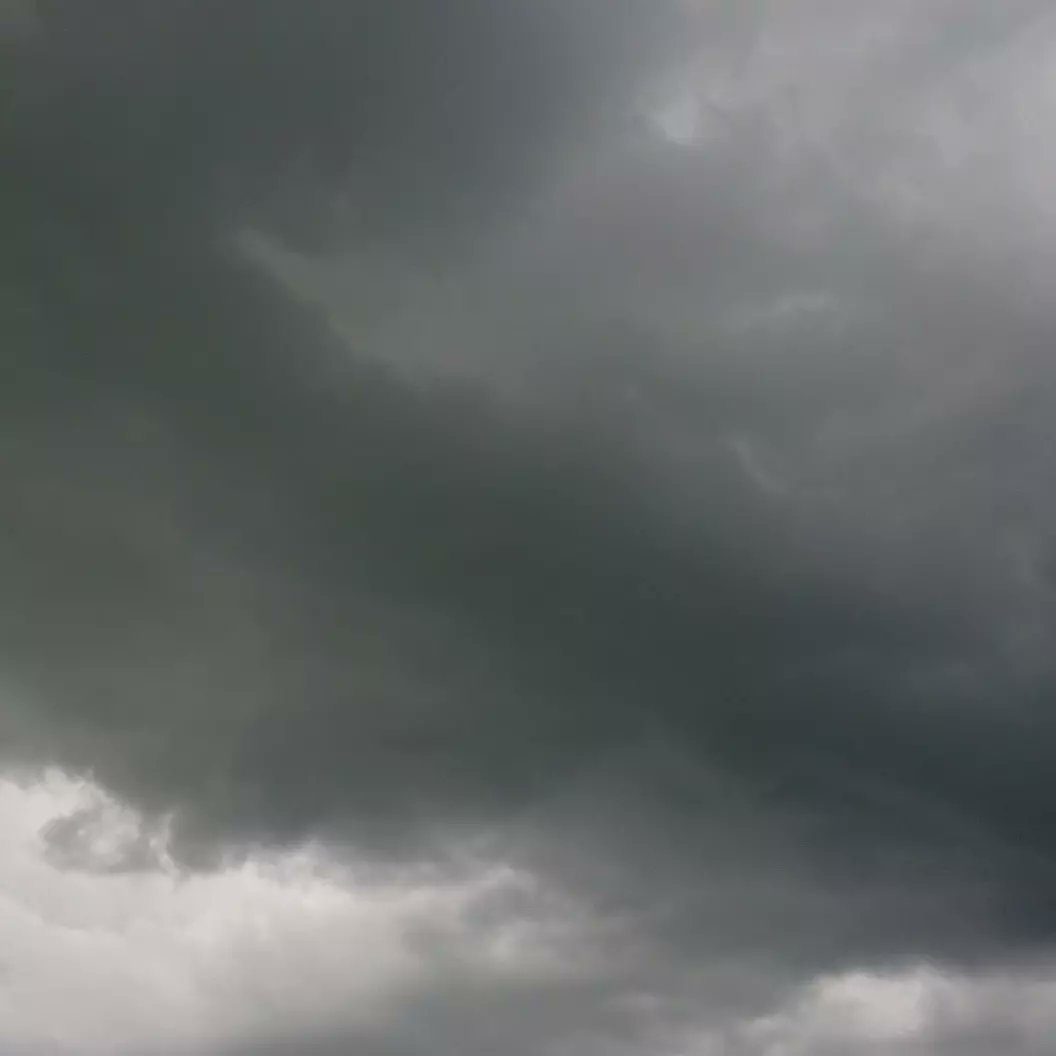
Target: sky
pixel 525 528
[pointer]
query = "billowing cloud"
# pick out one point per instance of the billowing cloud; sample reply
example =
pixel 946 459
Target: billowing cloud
pixel 281 945
pixel 309 947
pixel 610 437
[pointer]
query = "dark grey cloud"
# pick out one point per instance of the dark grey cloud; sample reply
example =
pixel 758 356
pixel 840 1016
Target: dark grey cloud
pixel 397 114
pixel 668 511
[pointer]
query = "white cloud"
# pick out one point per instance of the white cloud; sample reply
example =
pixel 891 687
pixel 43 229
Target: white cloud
pixel 99 961
pixel 910 1012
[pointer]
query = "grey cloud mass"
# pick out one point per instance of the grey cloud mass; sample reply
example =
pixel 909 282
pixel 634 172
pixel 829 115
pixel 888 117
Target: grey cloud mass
pixel 525 527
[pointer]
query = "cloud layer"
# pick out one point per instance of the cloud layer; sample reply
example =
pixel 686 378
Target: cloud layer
pixel 613 437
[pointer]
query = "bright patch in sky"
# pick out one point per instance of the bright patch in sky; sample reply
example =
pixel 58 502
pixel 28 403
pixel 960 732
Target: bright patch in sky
pixel 274 945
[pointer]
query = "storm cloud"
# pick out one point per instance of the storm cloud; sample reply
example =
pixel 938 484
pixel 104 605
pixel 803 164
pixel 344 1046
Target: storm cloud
pixel 525 527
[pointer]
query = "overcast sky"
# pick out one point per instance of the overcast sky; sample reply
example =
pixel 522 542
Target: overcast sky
pixel 527 528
